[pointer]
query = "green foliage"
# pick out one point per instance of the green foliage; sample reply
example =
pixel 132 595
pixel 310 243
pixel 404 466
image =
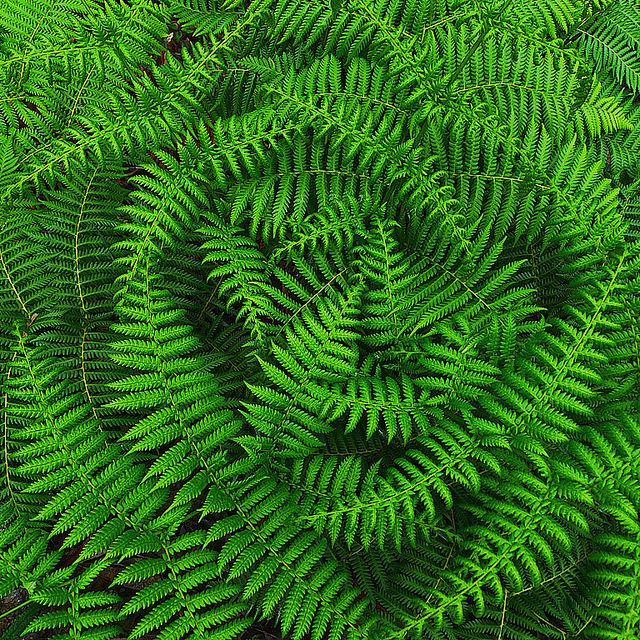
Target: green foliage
pixel 320 318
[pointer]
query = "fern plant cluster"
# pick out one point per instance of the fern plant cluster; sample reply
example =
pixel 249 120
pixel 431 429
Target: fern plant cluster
pixel 321 318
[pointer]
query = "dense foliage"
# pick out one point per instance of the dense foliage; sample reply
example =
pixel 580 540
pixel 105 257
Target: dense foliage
pixel 320 318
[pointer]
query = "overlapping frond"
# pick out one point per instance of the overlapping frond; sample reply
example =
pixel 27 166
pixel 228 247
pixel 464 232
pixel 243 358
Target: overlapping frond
pixel 320 319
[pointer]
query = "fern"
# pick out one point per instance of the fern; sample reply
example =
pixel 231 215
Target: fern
pixel 321 318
